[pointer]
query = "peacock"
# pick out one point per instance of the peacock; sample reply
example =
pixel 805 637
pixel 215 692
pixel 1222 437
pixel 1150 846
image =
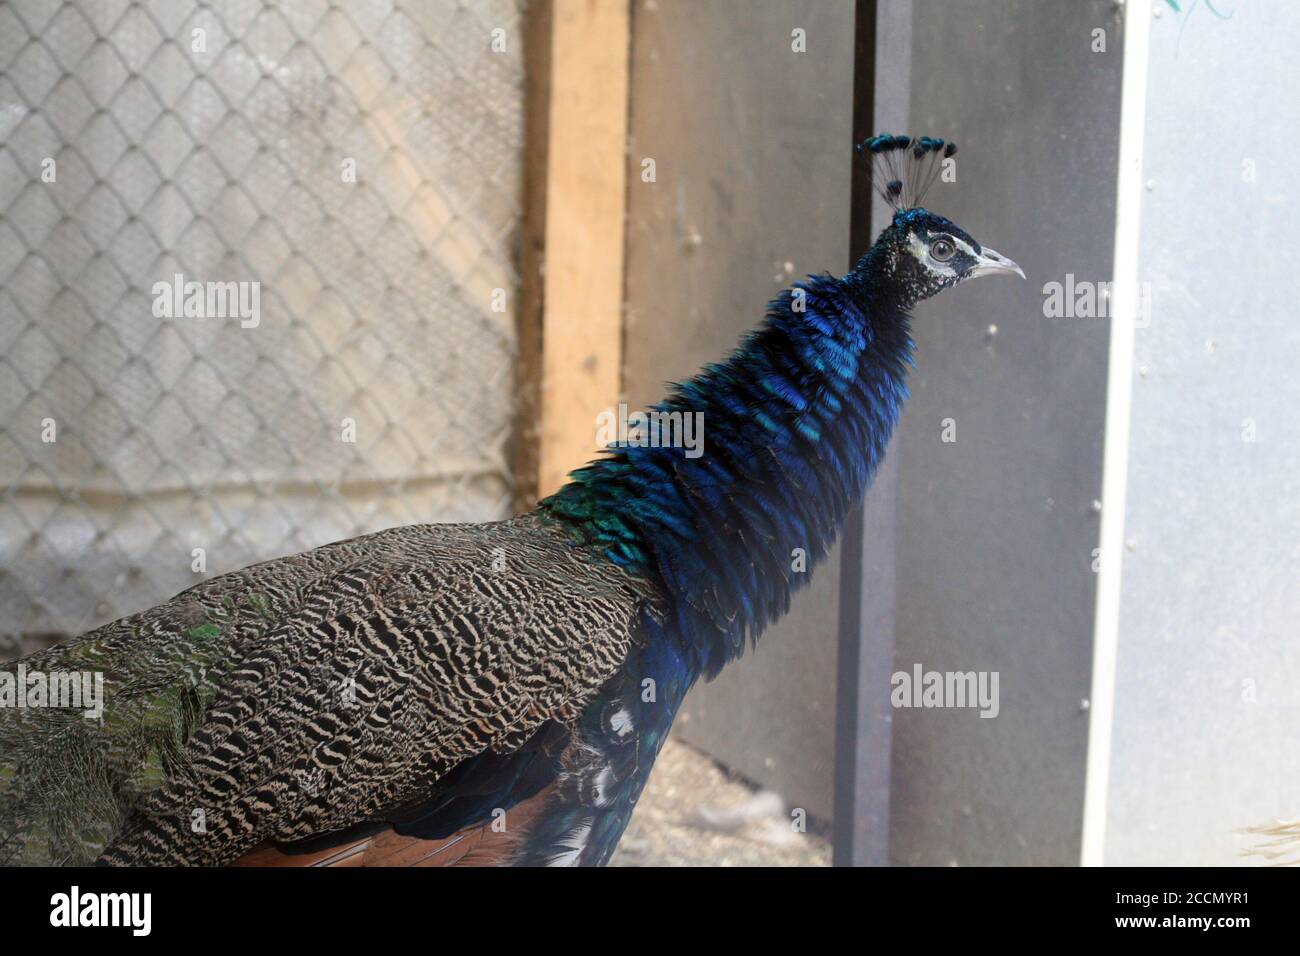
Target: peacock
pixel 490 693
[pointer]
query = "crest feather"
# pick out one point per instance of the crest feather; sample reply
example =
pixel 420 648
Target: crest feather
pixel 905 167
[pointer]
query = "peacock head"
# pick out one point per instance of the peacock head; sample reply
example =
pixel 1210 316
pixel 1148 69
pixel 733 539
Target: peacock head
pixel 923 253
pixel 928 253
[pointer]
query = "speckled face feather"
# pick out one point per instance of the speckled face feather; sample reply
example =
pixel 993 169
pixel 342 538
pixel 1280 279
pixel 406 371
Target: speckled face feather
pixel 921 244
pixel 917 231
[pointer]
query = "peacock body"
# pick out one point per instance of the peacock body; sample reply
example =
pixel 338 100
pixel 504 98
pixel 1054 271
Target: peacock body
pixel 489 693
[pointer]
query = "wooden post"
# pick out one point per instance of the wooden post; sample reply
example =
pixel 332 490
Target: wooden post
pixel 579 364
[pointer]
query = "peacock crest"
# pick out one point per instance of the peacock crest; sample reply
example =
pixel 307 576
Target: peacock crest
pixel 905 167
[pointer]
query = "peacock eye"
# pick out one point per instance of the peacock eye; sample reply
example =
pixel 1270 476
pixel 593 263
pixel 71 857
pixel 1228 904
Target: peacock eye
pixel 942 249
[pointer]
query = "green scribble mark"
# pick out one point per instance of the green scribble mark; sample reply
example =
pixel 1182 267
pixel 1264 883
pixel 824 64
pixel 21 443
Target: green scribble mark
pixel 204 631
pixel 1209 5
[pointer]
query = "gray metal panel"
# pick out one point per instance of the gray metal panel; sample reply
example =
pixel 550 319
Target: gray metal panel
pixel 752 149
pixel 995 531
pixel 863 736
pixel 1207 687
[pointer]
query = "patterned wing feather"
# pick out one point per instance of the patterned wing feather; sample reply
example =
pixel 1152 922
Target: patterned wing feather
pixel 307 695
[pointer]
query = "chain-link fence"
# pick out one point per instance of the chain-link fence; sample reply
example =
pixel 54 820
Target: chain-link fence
pixel 358 166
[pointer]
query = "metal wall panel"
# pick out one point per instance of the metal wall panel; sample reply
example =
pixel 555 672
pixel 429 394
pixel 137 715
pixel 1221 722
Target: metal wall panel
pixel 1207 681
pixel 996 529
pixel 864 716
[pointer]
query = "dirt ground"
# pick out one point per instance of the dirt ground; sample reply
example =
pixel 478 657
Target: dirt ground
pixel 693 813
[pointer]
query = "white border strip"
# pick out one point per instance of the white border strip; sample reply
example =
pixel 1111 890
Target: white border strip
pixel 1119 398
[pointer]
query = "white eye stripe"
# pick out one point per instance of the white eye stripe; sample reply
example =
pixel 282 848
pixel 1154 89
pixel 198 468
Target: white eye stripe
pixel 963 246
pixel 921 249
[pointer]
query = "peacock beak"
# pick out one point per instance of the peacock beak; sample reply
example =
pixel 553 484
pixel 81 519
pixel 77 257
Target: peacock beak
pixel 994 263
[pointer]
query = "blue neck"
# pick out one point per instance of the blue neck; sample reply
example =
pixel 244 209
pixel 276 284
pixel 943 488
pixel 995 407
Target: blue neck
pixel 795 423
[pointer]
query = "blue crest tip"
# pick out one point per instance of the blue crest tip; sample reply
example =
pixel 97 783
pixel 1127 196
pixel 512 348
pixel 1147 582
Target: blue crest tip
pixel 888 142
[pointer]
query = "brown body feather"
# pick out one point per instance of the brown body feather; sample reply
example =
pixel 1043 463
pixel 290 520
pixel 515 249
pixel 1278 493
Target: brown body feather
pixel 306 695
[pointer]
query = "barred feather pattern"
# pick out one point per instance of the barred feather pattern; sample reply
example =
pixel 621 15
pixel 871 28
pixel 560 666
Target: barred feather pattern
pixel 614 748
pixel 304 695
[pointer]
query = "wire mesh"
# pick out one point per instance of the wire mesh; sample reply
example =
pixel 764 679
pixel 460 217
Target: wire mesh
pixel 360 163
